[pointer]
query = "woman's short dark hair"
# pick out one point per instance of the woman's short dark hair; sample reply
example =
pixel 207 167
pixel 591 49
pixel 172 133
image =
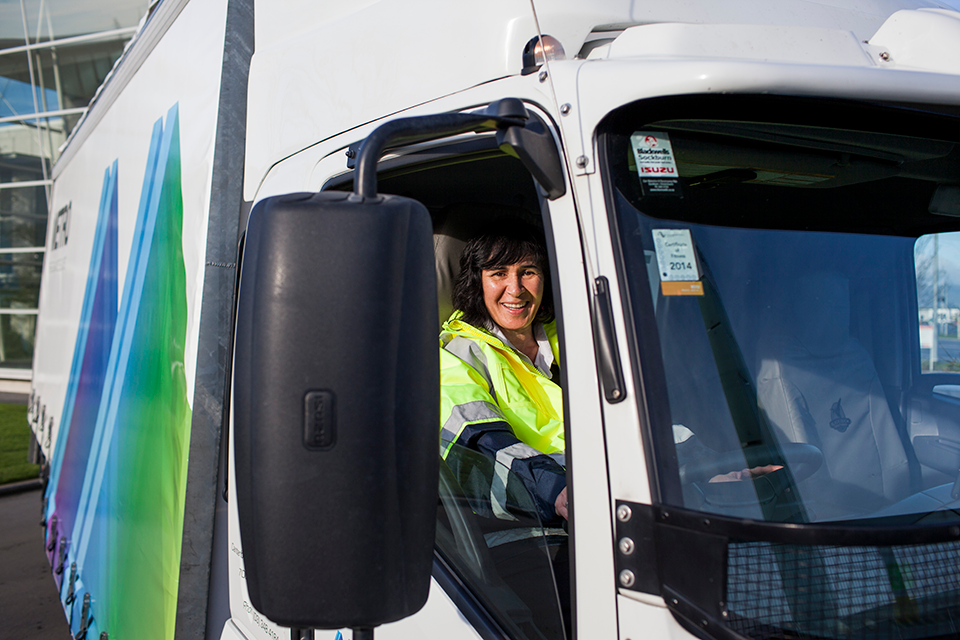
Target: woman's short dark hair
pixel 507 242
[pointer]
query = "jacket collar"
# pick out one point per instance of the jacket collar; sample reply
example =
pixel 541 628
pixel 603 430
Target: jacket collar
pixel 455 324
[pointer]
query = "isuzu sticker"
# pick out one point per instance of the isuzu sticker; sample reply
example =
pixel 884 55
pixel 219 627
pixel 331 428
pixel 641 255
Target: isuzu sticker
pixel 677 261
pixel 655 163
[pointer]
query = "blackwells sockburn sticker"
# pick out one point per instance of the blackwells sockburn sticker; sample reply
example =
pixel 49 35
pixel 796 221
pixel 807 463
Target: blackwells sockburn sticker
pixel 655 163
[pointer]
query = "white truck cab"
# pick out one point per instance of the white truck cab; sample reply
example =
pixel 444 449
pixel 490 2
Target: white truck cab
pixel 751 211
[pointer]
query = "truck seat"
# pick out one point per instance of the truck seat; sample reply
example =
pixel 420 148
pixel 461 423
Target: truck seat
pixel 818 385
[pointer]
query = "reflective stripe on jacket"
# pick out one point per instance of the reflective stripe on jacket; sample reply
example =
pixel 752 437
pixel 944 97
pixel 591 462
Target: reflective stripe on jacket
pixel 485 381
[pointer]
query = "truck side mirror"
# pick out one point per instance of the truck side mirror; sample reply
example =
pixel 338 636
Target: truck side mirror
pixel 336 409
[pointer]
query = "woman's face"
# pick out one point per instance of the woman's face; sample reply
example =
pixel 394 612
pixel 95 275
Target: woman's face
pixel 512 294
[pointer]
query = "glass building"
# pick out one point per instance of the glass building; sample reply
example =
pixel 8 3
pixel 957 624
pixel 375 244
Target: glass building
pixel 54 54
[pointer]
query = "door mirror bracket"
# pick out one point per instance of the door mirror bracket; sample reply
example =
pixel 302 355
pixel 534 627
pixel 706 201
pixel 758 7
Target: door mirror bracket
pixel 519 134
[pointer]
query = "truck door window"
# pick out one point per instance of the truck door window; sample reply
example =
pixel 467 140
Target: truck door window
pixel 507 564
pixel 488 531
pixel 932 406
pixel 937 266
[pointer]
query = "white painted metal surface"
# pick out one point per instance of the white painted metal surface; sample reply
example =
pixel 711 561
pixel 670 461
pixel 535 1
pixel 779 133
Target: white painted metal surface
pixel 362 65
pixel 337 65
pixel 925 40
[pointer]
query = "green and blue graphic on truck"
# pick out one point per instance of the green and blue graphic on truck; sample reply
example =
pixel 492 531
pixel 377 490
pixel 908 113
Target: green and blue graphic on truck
pixel 115 500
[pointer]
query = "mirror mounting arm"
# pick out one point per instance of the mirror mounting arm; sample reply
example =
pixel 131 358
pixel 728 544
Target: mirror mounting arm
pixel 506 116
pixel 500 114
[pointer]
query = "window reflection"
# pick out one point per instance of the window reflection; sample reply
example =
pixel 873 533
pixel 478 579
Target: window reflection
pixel 937 265
pixel 55 19
pixel 54 55
pixel 506 558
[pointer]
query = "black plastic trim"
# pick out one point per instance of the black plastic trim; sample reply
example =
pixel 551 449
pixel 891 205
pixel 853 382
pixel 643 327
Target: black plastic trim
pixel 696 620
pixel 605 342
pixel 682 555
pixel 504 113
pixel 841 534
pixel 482 147
pixel 640 556
pixel 894 531
pixel 519 134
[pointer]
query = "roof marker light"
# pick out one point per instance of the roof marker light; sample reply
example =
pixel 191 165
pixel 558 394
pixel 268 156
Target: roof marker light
pixel 539 50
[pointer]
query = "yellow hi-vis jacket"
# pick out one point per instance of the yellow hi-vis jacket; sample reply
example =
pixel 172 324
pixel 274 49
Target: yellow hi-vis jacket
pixel 483 381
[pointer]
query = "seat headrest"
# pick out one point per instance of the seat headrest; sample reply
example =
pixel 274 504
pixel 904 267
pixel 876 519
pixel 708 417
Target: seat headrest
pixel 815 312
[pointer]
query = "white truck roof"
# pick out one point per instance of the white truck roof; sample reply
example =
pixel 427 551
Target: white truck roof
pixel 328 67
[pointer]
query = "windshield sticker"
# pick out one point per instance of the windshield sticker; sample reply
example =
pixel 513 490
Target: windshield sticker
pixel 677 260
pixel 655 163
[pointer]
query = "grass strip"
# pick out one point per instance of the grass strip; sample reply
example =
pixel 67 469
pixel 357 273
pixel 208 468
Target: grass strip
pixel 14 443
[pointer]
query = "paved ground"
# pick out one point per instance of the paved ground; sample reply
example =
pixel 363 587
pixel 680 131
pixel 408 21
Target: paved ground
pixel 13 398
pixel 28 595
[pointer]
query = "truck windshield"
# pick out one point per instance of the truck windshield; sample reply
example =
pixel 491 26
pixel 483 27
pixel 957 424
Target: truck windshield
pixel 791 289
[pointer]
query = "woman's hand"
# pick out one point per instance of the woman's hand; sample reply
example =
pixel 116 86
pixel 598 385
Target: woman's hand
pixel 561 505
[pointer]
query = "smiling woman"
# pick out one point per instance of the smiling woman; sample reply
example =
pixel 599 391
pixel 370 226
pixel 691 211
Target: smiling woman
pixel 499 363
pixel 510 264
pixel 512 295
pixel 500 398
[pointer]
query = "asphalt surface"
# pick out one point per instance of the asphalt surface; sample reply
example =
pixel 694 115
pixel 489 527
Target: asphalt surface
pixel 28 595
pixel 7 397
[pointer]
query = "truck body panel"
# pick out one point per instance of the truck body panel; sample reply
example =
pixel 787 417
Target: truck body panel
pixel 116 370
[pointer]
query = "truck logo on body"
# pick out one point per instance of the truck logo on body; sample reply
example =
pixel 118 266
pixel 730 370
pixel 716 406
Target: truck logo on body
pixel 61 226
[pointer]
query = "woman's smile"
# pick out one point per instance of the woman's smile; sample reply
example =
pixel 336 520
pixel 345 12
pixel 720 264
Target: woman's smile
pixel 512 294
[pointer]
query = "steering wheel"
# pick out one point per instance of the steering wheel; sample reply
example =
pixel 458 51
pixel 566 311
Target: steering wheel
pixel 803 460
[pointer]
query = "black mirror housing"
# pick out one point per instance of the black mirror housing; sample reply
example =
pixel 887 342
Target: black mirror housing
pixel 336 409
pixel 533 145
